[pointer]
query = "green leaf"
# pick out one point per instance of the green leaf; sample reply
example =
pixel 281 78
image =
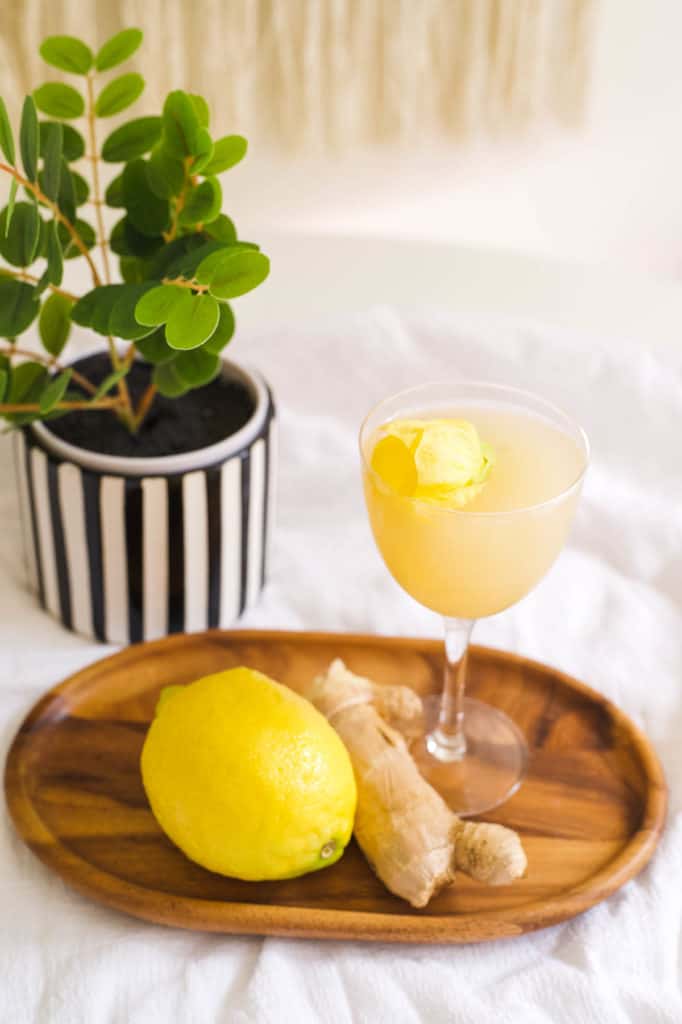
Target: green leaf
pixel 28 380
pixel 239 273
pixel 57 414
pixel 203 151
pixel 52 160
pixel 142 246
pixel 155 349
pixel 122 322
pixel 227 152
pixel 69 247
pixel 66 200
pixel 200 109
pixel 118 48
pixel 206 270
pixel 180 125
pixel 133 271
pixel 6 379
pixel 156 306
pixel 59 100
pixel 203 203
pixel 73 143
pixel 55 259
pixel 193 319
pixel 169 261
pixel 55 323
pixel 186 265
pixel 18 307
pixel 196 368
pixel 84 310
pixel 132 140
pixel 41 284
pixel 119 94
pixel 117 239
pixel 223 332
pixel 19 245
pixel 104 307
pixel 126 240
pixel 107 298
pixel 29 138
pixel 114 193
pixel 54 392
pixel 165 174
pixel 146 212
pixel 222 229
pixel 94 308
pixel 42 240
pixel 80 187
pixel 13 186
pixel 6 137
pixel 109 382
pixel 67 53
pixel 167 380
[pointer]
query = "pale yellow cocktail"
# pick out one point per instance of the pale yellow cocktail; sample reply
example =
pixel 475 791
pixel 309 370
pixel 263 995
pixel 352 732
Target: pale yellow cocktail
pixel 480 558
pixel 471 489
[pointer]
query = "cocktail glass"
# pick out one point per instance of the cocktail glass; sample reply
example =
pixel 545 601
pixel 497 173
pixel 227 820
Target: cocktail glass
pixel 474 561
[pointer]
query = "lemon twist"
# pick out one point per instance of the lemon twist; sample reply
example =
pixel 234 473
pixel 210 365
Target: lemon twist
pixel 441 460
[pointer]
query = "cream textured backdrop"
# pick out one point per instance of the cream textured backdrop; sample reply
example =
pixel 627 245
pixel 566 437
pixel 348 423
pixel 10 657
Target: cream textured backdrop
pixel 606 194
pixel 316 73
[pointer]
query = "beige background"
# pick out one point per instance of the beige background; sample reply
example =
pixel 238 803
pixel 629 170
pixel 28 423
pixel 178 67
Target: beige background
pixel 607 192
pixel 332 73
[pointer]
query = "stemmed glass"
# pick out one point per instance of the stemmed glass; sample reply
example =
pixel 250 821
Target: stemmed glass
pixel 475 561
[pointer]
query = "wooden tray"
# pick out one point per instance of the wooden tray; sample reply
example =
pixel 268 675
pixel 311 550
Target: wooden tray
pixel 590 811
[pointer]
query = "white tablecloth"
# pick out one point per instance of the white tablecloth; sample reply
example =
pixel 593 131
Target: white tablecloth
pixel 610 612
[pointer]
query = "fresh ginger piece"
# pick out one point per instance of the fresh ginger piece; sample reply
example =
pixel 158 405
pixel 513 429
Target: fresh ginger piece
pixel 409 835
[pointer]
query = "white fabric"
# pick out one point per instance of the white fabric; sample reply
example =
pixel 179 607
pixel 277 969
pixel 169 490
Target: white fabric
pixel 610 612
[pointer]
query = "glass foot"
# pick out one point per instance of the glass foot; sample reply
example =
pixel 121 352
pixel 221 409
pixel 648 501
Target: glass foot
pixel 491 769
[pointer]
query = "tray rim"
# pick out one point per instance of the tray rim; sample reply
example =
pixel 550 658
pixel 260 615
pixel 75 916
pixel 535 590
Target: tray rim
pixel 226 917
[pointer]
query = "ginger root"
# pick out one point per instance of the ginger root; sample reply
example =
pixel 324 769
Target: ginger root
pixel 411 838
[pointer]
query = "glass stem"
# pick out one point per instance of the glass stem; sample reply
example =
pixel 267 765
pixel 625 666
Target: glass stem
pixel 447 741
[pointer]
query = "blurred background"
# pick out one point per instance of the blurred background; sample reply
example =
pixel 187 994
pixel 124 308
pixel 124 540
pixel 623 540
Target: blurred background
pixel 550 128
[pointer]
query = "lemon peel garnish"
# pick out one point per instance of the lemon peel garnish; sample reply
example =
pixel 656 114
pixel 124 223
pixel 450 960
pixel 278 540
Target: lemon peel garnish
pixel 442 461
pixel 392 460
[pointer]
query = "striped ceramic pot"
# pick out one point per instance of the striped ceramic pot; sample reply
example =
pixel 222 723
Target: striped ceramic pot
pixel 128 549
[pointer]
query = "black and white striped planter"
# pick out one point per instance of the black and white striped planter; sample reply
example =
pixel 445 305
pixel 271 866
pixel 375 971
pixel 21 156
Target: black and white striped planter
pixel 127 549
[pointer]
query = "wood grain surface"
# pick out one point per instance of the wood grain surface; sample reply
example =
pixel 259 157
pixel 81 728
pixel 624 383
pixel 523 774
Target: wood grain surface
pixel 590 811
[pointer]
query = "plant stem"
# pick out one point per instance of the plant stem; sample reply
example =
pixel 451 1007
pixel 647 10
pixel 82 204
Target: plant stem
pixel 96 189
pixel 102 239
pixel 145 405
pixel 7 408
pixel 183 282
pixel 23 275
pixel 130 354
pixel 35 189
pixel 169 235
pixel 129 414
pixel 51 361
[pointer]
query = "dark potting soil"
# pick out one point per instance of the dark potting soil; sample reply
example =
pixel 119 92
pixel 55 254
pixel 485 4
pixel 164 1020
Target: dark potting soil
pixel 173 425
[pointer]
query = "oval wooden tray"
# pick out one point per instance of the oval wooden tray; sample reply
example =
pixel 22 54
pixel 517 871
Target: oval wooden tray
pixel 590 811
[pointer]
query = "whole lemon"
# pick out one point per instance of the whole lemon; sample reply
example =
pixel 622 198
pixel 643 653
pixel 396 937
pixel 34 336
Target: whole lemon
pixel 248 778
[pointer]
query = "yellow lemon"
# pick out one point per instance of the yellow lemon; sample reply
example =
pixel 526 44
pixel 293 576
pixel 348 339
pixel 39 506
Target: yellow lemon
pixel 248 778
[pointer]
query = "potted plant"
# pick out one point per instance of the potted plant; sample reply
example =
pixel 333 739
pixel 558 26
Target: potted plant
pixel 145 468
